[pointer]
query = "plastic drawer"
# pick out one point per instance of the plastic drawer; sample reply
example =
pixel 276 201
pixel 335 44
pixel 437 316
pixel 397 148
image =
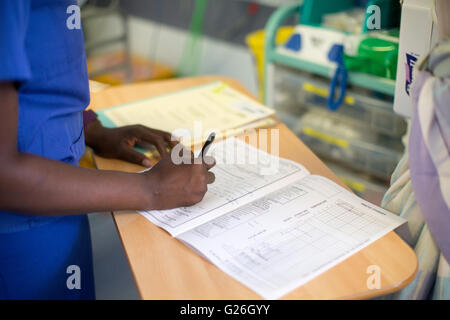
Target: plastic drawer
pixel 361 107
pixel 287 98
pixel 364 186
pixel 363 151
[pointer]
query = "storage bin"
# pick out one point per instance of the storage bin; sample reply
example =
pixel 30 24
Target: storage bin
pixel 364 186
pixel 362 150
pixel 295 90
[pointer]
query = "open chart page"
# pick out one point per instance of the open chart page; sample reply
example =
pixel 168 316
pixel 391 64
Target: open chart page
pixel 278 242
pixel 243 174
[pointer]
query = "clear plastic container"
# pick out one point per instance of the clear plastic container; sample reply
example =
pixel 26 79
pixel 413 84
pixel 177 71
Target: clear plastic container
pixel 364 186
pixel 296 90
pixel 362 150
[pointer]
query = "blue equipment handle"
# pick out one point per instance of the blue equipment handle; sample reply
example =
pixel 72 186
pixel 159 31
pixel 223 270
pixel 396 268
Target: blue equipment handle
pixel 339 77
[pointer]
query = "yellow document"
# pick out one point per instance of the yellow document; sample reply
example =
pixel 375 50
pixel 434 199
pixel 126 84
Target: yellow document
pixel 193 113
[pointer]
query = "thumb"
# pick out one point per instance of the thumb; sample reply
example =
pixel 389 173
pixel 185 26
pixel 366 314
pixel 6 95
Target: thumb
pixel 133 156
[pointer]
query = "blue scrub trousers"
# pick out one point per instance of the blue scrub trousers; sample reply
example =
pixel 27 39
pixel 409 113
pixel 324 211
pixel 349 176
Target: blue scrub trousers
pixel 34 263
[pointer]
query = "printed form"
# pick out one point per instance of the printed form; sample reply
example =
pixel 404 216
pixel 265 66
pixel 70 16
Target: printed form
pixel 274 232
pixel 240 178
pixel 191 114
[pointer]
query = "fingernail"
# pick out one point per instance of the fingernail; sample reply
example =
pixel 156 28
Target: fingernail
pixel 146 163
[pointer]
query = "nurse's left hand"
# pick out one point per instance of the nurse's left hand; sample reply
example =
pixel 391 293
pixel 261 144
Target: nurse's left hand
pixel 118 143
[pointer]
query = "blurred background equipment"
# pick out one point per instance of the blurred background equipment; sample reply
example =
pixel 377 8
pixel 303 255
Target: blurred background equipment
pixel 333 84
pixel 256 43
pixel 327 67
pixel 417 40
pixel 168 38
pixel 109 57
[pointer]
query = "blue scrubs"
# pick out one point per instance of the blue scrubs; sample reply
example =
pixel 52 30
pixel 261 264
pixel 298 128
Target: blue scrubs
pixel 47 61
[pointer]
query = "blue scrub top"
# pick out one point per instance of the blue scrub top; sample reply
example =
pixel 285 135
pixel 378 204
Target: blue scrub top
pixel 47 61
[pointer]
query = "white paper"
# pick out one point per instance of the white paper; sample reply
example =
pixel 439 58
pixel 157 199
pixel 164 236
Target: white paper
pixel 193 113
pixel 273 232
pixel 241 176
pixel 279 242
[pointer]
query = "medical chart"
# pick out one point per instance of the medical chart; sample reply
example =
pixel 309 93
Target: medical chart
pixel 190 114
pixel 273 230
pixel 279 242
pixel 241 176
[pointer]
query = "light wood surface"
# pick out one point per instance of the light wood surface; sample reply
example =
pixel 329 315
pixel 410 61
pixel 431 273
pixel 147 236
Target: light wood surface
pixel 164 268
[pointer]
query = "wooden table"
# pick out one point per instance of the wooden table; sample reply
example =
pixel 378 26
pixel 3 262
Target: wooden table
pixel 164 268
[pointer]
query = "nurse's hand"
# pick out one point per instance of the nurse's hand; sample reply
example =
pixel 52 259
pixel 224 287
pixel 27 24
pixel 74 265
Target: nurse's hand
pixel 174 183
pixel 118 143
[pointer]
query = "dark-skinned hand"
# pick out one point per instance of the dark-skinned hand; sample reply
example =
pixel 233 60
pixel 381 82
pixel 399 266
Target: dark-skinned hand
pixel 180 183
pixel 119 142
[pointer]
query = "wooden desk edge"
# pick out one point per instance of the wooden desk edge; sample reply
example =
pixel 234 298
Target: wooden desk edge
pixel 393 287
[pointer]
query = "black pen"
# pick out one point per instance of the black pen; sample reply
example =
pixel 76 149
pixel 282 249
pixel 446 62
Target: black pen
pixel 207 144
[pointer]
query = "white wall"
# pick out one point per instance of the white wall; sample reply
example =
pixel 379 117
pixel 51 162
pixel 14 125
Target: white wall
pixel 165 44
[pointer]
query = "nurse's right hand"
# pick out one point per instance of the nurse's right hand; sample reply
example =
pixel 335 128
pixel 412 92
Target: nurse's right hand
pixel 172 184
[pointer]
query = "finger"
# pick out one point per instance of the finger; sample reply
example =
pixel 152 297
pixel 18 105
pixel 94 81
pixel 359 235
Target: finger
pixel 209 162
pixel 146 135
pixel 171 140
pixel 210 177
pixel 160 145
pixel 168 138
pixel 133 156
